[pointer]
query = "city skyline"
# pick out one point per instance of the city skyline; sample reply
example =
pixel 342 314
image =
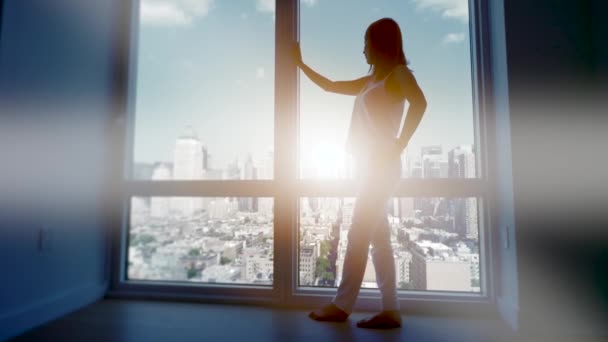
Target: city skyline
pixel 190 75
pixel 231 243
pixel 192 160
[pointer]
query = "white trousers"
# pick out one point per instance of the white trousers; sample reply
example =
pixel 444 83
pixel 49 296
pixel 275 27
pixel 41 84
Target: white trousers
pixel 377 181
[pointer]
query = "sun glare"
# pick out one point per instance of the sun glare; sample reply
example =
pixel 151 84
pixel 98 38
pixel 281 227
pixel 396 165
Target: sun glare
pixel 325 160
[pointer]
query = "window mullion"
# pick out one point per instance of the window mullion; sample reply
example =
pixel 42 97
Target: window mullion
pixel 406 188
pixel 286 129
pixel 249 188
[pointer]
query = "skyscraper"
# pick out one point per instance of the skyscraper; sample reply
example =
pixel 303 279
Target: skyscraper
pixel 461 162
pixel 462 165
pixel 436 267
pixel 187 165
pixel 472 229
pixel 249 173
pixel 206 158
pixel 434 164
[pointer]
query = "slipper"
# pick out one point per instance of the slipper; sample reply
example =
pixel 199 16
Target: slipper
pixel 382 320
pixel 329 313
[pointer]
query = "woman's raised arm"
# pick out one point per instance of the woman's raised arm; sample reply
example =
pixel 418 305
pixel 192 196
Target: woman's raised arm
pixel 352 87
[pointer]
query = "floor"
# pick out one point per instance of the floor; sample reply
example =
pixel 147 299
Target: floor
pixel 132 320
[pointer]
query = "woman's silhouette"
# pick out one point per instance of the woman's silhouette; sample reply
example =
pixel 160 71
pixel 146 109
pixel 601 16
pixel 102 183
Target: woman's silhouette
pixel 376 144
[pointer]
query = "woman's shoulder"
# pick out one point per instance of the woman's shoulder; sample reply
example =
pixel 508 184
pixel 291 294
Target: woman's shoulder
pixel 401 75
pixel 402 69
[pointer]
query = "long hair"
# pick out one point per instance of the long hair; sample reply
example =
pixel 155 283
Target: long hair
pixel 384 36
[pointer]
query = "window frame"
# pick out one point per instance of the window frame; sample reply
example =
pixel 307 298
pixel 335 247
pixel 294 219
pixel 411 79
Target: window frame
pixel 286 188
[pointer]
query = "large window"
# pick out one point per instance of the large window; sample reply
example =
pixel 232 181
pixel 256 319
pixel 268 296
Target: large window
pixel 435 240
pixel 204 99
pixel 237 180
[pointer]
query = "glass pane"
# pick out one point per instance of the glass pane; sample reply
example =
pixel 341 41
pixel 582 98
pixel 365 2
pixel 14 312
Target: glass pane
pixel 205 240
pixel 205 91
pixel 435 243
pixel 436 44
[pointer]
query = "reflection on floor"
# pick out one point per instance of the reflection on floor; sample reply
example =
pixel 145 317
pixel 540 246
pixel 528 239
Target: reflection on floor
pixel 130 320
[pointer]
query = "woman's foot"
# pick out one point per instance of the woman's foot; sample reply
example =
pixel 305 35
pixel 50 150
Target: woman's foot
pixel 329 313
pixel 383 320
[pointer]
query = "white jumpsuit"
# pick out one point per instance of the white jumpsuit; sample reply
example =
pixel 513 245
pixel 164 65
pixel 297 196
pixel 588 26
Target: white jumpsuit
pixel 370 132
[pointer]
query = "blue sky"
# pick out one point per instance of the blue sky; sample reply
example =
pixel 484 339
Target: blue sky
pixel 210 64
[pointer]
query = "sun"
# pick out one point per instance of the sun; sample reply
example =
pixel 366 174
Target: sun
pixel 326 160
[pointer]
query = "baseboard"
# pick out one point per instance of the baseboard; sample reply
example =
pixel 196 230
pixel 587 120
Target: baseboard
pixel 509 312
pixel 22 319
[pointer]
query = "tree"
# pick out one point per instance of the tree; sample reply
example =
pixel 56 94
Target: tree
pixel 225 260
pixel 191 272
pixel 321 266
pixel 146 238
pixel 324 248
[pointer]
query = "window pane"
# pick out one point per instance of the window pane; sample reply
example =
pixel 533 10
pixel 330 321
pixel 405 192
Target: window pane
pixel 208 240
pixel 205 91
pixel 436 43
pixel 435 243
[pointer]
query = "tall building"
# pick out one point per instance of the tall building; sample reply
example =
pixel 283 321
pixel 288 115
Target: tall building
pixel 402 269
pixel 187 165
pixel 471 223
pixel 159 206
pixel 462 165
pixel 473 257
pixel 461 162
pixel 308 263
pixel 403 259
pixel 259 268
pixel 206 158
pixel 436 267
pixel 434 165
pixel 249 173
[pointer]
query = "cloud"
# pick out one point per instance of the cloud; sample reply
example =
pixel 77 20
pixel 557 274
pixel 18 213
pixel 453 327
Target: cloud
pixel 260 73
pixel 265 5
pixel 309 3
pixel 455 9
pixel 173 12
pixel 451 38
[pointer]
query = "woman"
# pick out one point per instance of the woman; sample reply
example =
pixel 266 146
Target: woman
pixel 376 146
